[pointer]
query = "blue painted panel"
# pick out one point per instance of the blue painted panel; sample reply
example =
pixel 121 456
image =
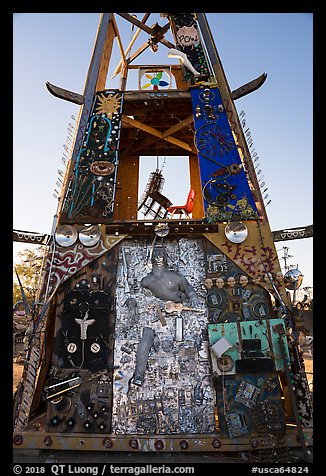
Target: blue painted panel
pixel 226 191
pixel 250 405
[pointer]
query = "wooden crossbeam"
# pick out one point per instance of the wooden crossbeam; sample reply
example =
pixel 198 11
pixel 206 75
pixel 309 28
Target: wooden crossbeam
pixel 136 22
pixel 160 135
pixel 118 68
pixel 116 29
pixel 23 410
pixel 178 126
pixel 172 130
pixel 140 50
pixel 158 35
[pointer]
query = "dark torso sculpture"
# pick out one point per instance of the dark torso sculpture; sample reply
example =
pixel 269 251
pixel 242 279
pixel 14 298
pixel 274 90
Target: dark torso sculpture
pixel 168 285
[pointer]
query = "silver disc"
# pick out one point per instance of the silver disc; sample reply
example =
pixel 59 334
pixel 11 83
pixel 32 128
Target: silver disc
pixel 95 347
pixel 71 347
pixel 162 229
pixel 66 235
pixel 236 232
pixel 293 279
pixel 90 235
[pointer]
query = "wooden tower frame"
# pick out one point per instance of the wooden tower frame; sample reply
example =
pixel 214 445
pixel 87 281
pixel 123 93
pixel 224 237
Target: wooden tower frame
pixel 153 122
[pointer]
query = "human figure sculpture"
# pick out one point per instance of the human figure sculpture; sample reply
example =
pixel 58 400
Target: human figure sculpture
pixel 208 283
pixel 243 280
pixel 143 351
pixel 268 278
pixel 219 283
pixel 168 285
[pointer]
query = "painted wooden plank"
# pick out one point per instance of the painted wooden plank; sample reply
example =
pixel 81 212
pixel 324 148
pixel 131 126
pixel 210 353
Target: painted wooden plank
pixel 230 109
pixel 89 90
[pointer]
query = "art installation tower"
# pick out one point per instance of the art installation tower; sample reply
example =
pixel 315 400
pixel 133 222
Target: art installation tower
pixel 174 332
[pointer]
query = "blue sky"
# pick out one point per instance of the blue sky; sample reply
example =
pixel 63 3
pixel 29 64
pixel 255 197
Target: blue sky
pixel 57 47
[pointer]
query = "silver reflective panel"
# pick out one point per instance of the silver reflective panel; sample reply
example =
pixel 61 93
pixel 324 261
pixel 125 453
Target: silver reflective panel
pixel 90 235
pixel 236 232
pixel 293 279
pixel 66 235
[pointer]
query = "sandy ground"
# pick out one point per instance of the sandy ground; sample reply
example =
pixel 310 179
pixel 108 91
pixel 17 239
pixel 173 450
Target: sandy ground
pixel 17 373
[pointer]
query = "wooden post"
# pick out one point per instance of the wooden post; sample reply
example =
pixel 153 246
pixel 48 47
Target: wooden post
pixel 126 201
pixel 96 77
pixel 198 211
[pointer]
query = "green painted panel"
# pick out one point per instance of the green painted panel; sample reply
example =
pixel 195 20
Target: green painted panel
pixel 250 330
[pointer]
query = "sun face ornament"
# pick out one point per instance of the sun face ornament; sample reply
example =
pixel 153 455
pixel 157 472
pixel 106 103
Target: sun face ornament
pixel 108 104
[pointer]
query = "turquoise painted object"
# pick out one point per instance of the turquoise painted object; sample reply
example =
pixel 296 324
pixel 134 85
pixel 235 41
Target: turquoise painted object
pixel 258 329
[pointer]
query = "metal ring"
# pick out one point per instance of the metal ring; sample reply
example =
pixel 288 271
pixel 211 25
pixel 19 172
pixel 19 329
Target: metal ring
pixel 225 363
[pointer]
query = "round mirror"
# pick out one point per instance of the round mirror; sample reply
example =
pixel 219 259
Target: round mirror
pixel 293 279
pixel 162 229
pixel 90 235
pixel 66 235
pixel 236 232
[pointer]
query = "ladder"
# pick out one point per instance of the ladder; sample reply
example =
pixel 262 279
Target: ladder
pixel 26 389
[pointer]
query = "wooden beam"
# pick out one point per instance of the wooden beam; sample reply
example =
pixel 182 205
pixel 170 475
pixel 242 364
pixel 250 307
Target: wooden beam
pixel 116 29
pixel 126 200
pixel 155 66
pixel 118 68
pixel 195 182
pixel 178 126
pixel 154 132
pixel 144 95
pixel 145 143
pixel 159 35
pixel 142 48
pixel 105 58
pixel 124 72
pixel 136 22
pixel 177 72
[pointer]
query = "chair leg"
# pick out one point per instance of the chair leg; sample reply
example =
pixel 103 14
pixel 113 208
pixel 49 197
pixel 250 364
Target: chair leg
pixel 180 211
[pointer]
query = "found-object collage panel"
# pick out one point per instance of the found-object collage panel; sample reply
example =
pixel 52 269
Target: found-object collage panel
pixel 142 348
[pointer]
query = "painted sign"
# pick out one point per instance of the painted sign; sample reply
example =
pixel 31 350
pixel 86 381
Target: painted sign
pixel 225 187
pixel 92 187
